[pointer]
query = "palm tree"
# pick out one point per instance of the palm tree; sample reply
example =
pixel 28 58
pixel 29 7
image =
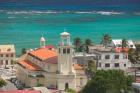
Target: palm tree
pixel 77 43
pixel 88 42
pixel 106 39
pixel 124 43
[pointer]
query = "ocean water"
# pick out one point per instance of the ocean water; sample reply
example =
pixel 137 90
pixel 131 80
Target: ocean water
pixel 25 27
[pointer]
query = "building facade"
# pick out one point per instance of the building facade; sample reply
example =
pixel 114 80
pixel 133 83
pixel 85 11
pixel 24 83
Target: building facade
pixel 7 55
pixel 50 67
pixel 107 58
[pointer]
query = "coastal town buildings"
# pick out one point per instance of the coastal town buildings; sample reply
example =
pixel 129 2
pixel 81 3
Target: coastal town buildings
pixel 7 55
pixel 117 43
pixel 50 67
pixel 110 58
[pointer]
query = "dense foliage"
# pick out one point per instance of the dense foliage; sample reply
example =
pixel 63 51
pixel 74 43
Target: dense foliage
pixel 91 68
pixel 106 40
pixel 2 83
pixel 81 46
pixel 134 54
pixel 109 81
pixel 70 90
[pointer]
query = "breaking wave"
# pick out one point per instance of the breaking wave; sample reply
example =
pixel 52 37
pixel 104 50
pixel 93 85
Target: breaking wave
pixel 60 12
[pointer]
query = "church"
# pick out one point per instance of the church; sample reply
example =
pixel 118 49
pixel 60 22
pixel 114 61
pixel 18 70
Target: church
pixel 50 67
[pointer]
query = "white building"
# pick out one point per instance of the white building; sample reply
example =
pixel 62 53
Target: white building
pixel 110 59
pixel 118 43
pixel 7 55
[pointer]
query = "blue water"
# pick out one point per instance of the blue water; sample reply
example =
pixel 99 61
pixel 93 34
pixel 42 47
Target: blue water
pixel 25 27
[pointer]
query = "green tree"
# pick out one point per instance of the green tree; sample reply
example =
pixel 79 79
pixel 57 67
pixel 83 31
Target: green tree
pixel 23 51
pixel 124 43
pixel 70 90
pixel 109 81
pixel 2 83
pixel 132 55
pixel 91 68
pixel 77 44
pixel 106 39
pixel 88 42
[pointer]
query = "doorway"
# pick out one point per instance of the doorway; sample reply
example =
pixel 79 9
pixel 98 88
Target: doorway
pixel 66 85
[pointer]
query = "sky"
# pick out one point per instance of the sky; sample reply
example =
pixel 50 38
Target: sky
pixel 71 4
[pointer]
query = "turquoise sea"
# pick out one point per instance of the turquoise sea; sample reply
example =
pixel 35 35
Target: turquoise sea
pixel 24 28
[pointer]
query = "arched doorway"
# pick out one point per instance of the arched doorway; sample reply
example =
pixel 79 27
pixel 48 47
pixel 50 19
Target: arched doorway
pixel 66 85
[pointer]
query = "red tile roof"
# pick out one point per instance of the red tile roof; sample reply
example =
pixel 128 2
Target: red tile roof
pixel 77 67
pixel 29 65
pixel 21 91
pixel 121 50
pixel 49 47
pixel 43 53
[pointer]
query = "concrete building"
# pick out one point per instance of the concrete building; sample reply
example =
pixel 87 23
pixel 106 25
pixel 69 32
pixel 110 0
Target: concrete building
pixel 52 68
pixel 7 55
pixel 108 58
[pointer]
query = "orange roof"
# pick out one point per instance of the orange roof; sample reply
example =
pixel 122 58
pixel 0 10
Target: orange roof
pixel 121 50
pixel 29 65
pixel 43 53
pixel 77 67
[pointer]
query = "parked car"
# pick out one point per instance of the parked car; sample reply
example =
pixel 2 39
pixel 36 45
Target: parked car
pixel 20 87
pixel 17 82
pixel 13 80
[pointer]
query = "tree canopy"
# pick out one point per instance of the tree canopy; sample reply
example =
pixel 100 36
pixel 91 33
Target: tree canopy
pixel 2 83
pixel 106 39
pixel 109 81
pixel 124 43
pixel 77 43
pixel 82 46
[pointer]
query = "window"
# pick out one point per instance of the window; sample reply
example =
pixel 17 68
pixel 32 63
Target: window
pixel 107 65
pixel 12 62
pixel 1 62
pixel 99 64
pixel 116 57
pixel 8 49
pixel 6 62
pixel 124 65
pixel 64 51
pixel 125 56
pixel 116 64
pixel 7 55
pixel 68 50
pixel 99 57
pixel 12 55
pixel 131 45
pixel 1 55
pixel 107 57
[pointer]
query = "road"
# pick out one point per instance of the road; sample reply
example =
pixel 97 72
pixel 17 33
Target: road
pixel 9 86
pixel 6 74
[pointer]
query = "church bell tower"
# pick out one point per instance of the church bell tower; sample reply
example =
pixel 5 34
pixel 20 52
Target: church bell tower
pixel 66 75
pixel 65 52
